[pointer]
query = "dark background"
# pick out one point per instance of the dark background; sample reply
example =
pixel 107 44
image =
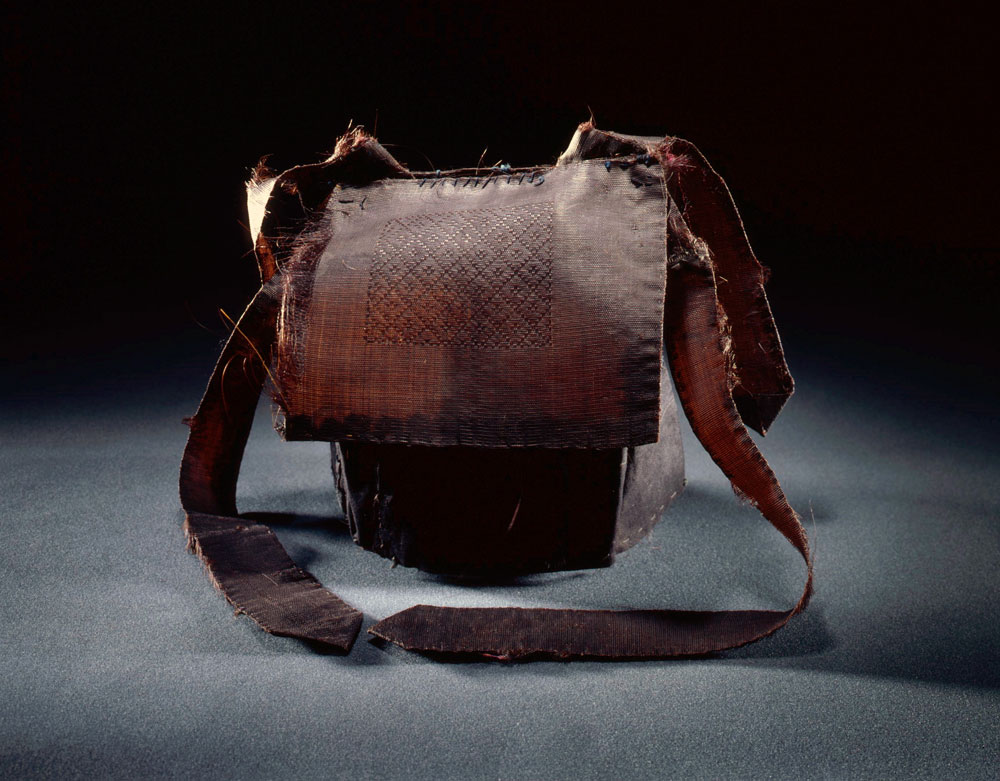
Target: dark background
pixel 855 140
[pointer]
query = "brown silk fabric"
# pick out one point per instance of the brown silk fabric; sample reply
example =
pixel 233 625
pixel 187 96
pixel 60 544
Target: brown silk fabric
pixel 508 633
pixel 245 560
pixel 431 328
pixel 512 310
pixel 762 381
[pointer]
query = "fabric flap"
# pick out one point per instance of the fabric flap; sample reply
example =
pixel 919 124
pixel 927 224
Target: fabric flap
pixel 508 309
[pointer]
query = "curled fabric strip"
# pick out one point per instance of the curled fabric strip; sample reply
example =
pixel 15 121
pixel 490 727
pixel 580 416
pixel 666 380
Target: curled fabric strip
pixel 698 361
pixel 245 560
pixel 762 383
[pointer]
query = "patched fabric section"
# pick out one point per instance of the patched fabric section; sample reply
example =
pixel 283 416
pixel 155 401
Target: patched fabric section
pixel 477 277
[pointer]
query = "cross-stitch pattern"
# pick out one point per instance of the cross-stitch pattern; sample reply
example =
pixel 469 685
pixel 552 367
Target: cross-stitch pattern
pixel 434 279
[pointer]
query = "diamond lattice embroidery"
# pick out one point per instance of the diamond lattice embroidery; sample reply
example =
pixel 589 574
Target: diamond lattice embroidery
pixel 479 277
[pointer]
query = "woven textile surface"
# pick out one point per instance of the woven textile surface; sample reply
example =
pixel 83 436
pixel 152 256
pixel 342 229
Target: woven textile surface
pixel 501 311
